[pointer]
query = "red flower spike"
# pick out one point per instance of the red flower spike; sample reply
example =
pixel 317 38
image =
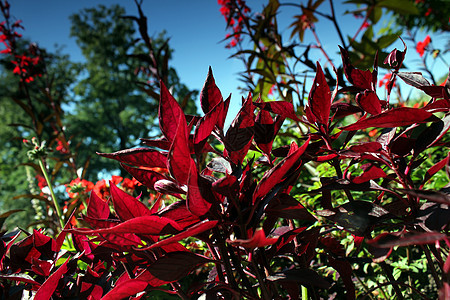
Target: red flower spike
pixel 319 100
pixel 126 206
pixel 258 239
pixel 170 114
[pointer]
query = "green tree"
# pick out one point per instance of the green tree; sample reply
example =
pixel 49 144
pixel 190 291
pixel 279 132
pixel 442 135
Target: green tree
pixel 111 94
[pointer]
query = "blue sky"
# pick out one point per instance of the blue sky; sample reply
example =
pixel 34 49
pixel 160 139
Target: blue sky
pixel 195 29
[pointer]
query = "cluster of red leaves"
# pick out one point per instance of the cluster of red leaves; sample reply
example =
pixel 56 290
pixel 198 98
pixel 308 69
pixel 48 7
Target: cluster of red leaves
pixel 422 45
pixel 235 13
pixel 25 64
pixel 246 220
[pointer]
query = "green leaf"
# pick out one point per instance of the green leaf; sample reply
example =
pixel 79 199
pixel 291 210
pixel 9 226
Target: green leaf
pixel 400 6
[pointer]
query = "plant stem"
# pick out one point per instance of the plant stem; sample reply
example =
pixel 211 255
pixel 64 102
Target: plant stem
pixel 52 193
pixel 392 280
pixel 304 293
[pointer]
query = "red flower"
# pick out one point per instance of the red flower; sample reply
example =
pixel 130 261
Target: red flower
pixel 79 186
pixel 62 148
pixel 385 81
pixel 41 181
pixel 428 12
pixel 421 46
pixel 130 184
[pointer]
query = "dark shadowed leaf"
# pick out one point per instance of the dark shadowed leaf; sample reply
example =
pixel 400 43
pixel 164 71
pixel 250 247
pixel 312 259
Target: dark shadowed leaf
pixel 175 265
pixel 431 135
pixel 430 195
pixel 343 109
pixel 21 277
pixel 344 269
pixel 210 95
pixel 433 216
pixel 170 114
pixel 46 290
pixel 301 276
pixel 402 116
pixel 285 206
pixel 139 157
pixel 416 80
pixel 239 135
pixel 388 240
pixel 356 217
pixel 126 206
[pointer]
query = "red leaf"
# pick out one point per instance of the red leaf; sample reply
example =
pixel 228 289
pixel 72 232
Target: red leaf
pixel 197 203
pixel 139 157
pixel 144 176
pixel 360 79
pixel 388 240
pixel 282 108
pixel 206 125
pixel 180 163
pixel 126 206
pixel 97 208
pixel 125 289
pixel 277 173
pixel 369 102
pixel 258 239
pixel 373 172
pixel 162 143
pixel 435 168
pixel 150 279
pixel 46 290
pixel 175 265
pixel 319 99
pixel 345 271
pixel 210 95
pixel 222 118
pixel 179 213
pixel 191 231
pixel 146 225
pixel 286 206
pixel 170 114
pixel 365 147
pixel 402 116
pixel 239 135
